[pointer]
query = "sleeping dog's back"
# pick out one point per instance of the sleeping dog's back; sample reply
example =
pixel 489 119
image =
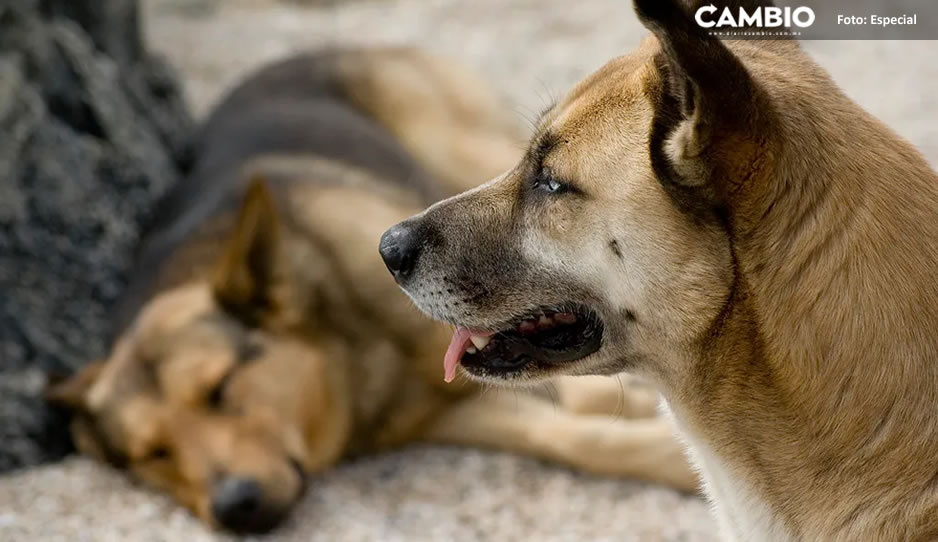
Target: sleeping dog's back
pixel 412 124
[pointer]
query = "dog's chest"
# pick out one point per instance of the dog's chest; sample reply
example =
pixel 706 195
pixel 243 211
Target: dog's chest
pixel 740 512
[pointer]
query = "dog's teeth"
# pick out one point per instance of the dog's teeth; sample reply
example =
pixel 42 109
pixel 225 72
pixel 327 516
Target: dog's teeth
pixel 472 350
pixel 526 327
pixel 545 321
pixel 480 342
pixel 565 317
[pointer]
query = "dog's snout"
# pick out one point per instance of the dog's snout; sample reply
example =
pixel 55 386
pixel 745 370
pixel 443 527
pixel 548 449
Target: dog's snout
pixel 400 248
pixel 238 504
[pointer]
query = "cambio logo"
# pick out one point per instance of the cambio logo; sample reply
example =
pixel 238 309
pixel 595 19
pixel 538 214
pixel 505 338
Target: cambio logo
pixel 761 17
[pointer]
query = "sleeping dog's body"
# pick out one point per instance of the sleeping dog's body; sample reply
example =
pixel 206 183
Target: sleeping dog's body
pixel 740 232
pixel 260 337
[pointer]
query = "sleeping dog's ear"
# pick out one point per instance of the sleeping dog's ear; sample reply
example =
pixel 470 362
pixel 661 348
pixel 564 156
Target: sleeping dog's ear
pixel 251 278
pixel 710 113
pixel 71 392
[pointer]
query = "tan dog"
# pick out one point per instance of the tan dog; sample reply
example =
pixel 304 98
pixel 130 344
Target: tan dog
pixel 261 344
pixel 721 219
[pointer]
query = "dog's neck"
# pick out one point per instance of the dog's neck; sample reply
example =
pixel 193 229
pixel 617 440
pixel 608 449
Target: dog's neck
pixel 825 360
pixel 836 276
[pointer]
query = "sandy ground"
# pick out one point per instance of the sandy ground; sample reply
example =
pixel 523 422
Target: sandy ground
pixel 531 50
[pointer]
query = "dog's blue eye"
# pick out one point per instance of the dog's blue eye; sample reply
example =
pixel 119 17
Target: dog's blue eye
pixel 545 182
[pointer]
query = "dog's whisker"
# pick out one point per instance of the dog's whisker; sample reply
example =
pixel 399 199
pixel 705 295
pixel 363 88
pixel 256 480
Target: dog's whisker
pixel 552 394
pixel 620 398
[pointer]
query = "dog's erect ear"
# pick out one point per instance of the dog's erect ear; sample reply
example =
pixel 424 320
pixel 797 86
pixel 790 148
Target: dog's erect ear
pixel 250 280
pixel 72 391
pixel 709 111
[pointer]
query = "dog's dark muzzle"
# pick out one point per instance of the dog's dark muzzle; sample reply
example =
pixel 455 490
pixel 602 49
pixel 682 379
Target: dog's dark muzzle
pixel 239 505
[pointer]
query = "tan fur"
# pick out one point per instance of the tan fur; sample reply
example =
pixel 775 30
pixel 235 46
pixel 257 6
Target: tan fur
pixel 790 323
pixel 275 335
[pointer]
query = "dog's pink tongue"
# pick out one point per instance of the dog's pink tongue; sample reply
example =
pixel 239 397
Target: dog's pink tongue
pixel 461 340
pixel 457 347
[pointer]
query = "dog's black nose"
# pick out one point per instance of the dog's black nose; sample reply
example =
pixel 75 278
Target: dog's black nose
pixel 400 248
pixel 238 504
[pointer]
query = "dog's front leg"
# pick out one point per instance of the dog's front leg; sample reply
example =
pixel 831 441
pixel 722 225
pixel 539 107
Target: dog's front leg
pixel 645 449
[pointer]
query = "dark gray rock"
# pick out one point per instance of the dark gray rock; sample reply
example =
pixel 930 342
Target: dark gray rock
pixel 112 25
pixel 94 130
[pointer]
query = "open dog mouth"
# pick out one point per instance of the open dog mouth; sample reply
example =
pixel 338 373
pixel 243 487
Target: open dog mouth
pixel 542 338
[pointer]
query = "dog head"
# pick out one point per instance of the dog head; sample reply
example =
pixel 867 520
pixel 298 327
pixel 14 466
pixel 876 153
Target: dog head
pixel 216 394
pixel 607 248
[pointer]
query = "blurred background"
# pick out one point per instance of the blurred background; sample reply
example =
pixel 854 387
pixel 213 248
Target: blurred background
pixel 531 50
pixel 98 99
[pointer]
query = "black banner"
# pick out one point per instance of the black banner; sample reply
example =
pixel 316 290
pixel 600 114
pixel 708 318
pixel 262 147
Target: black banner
pixel 822 20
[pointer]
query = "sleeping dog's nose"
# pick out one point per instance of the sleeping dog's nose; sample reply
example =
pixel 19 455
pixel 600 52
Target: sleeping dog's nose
pixel 238 504
pixel 400 247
